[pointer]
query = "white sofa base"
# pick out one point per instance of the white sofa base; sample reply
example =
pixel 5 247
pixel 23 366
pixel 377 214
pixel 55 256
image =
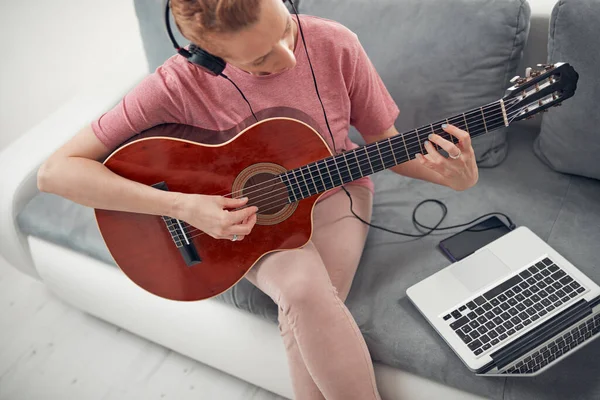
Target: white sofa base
pixel 213 333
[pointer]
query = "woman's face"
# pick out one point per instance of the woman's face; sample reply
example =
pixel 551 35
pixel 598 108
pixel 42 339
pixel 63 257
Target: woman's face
pixel 265 47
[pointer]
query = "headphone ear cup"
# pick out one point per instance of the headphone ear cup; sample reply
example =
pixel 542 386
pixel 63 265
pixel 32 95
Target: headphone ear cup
pixel 212 64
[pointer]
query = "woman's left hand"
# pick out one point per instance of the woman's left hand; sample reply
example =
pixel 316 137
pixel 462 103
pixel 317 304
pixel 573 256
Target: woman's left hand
pixel 459 170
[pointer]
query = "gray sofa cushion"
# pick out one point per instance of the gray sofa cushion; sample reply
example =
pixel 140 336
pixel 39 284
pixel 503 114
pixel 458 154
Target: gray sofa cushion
pixel 438 58
pixel 559 208
pixel 569 140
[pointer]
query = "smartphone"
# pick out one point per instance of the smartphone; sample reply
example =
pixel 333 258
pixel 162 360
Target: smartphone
pixel 468 241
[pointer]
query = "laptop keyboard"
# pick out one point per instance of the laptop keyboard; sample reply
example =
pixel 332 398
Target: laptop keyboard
pixel 503 311
pixel 556 348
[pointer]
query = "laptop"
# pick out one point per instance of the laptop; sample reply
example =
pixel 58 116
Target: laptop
pixel 514 307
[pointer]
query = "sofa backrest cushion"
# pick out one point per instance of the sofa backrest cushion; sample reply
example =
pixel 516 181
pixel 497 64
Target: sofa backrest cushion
pixel 439 58
pixel 569 139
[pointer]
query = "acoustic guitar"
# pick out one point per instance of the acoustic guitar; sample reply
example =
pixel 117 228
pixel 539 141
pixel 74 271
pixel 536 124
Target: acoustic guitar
pixel 282 174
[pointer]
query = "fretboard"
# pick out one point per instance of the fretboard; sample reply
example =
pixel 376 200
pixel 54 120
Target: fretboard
pixel 366 160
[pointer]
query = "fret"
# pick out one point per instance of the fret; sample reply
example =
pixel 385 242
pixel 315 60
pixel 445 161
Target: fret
pixel 397 148
pixel 419 139
pixel 386 148
pixel 291 193
pixel 491 127
pixel 340 177
pixel 319 182
pixel 305 183
pixel 435 146
pixel 380 156
pixel 451 136
pixel 466 125
pixel 405 147
pixel 299 194
pixel 375 161
pixel 343 178
pixel 355 152
pixel 369 159
pixel 393 151
pixel 331 183
pixel 483 117
pixel 348 166
pixel 314 178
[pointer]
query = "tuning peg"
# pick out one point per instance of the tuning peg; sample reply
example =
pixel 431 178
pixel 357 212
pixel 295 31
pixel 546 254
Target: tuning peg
pixel 546 66
pixel 515 78
pixel 528 72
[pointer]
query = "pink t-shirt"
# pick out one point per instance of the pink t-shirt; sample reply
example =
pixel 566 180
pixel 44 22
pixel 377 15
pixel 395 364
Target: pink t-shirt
pixel 178 92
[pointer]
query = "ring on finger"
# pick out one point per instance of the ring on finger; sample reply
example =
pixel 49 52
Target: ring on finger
pixel 456 157
pixel 234 238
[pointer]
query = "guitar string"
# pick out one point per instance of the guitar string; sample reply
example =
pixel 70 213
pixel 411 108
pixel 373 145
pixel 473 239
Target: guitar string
pixel 279 202
pixel 307 188
pixel 496 125
pixel 179 244
pixel 353 165
pixel 473 116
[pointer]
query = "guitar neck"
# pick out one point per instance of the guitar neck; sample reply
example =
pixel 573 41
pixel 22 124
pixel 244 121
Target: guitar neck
pixel 331 172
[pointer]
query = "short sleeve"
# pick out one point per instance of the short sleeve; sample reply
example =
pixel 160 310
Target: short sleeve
pixel 155 100
pixel 373 110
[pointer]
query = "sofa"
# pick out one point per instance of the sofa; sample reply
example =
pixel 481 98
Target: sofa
pixel 438 59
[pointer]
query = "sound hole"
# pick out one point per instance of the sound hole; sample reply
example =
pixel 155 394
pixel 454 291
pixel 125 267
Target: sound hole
pixel 267 192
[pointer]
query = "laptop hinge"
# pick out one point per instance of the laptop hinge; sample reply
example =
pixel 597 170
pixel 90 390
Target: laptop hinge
pixel 539 335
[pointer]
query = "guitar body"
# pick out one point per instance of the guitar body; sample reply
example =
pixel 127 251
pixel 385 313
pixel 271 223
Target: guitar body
pixel 142 245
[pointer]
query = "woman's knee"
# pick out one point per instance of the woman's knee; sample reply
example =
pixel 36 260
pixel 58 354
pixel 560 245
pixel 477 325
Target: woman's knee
pixel 303 289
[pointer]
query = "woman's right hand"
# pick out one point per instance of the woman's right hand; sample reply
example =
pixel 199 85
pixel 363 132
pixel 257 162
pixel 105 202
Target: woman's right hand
pixel 212 215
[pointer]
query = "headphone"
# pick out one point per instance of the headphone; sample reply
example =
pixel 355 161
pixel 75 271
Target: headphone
pixel 212 64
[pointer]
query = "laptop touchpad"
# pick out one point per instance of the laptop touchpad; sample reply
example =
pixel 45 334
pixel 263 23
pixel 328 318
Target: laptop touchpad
pixel 479 269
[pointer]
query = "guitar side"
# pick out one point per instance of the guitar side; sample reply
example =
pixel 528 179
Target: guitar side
pixel 142 245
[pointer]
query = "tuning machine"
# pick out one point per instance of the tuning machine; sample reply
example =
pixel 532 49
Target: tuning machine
pixel 518 80
pixel 532 73
pixel 546 67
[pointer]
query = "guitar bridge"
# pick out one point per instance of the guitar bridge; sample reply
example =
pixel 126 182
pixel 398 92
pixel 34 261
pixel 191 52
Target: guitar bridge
pixel 180 235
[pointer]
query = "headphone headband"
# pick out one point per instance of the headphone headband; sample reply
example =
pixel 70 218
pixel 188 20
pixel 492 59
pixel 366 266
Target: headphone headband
pixel 196 55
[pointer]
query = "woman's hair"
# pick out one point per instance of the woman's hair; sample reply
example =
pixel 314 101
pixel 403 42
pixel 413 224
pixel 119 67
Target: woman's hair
pixel 197 19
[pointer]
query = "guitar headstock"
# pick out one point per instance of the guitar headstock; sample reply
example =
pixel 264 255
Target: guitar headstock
pixel 539 90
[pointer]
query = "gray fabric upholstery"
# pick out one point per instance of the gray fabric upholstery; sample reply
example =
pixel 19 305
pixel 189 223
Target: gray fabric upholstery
pixel 437 58
pixel 570 136
pixel 559 208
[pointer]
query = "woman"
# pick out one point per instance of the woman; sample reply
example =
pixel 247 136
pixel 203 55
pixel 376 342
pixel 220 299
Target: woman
pixel 259 40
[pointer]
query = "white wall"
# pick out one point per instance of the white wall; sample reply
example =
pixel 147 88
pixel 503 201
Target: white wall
pixel 51 49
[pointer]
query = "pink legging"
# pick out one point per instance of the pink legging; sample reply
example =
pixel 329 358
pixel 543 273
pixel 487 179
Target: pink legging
pixel 327 355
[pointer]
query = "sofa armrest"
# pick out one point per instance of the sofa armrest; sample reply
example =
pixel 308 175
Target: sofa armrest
pixel 20 161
